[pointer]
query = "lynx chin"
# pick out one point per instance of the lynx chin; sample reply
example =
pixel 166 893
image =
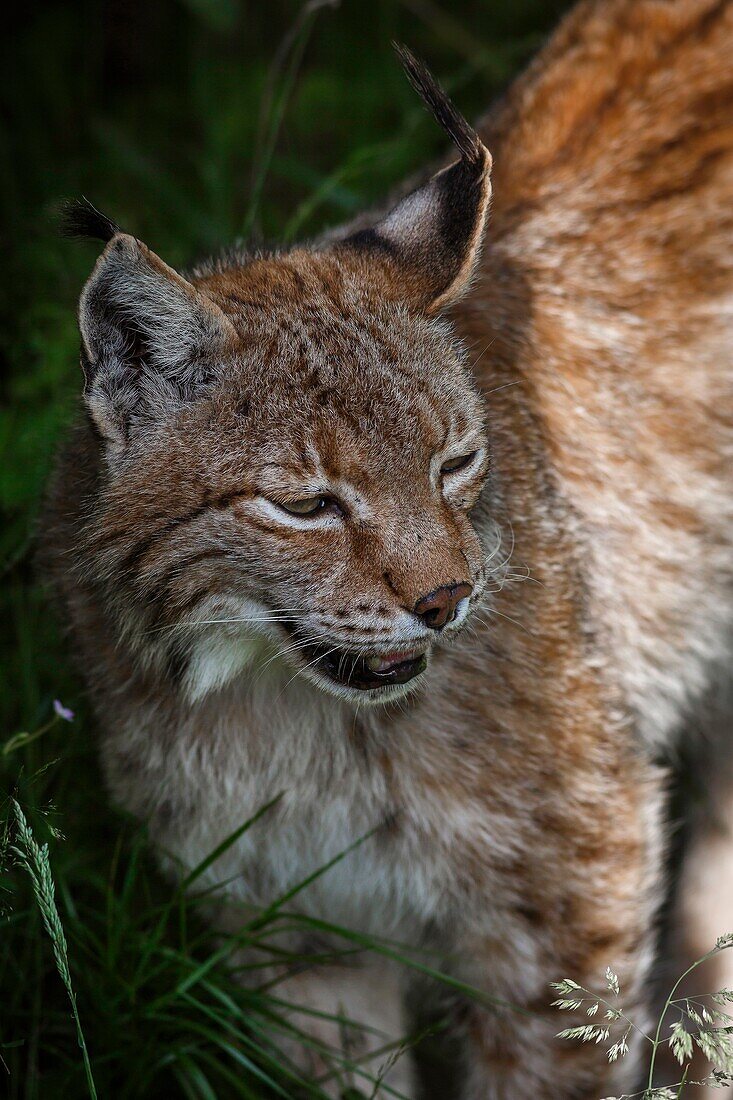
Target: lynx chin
pixel 426 527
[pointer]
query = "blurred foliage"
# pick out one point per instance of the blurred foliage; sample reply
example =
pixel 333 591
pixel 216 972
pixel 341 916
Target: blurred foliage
pixel 191 122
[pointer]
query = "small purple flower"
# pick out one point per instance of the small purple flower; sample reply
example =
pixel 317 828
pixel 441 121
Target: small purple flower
pixel 62 711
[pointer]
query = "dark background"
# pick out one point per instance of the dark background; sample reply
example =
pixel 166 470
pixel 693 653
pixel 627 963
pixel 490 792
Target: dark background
pixel 191 122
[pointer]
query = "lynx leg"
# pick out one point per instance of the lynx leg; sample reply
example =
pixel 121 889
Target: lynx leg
pixel 595 912
pixel 517 1053
pixel 366 1025
pixel 345 1013
pixel 509 1058
pixel 511 1054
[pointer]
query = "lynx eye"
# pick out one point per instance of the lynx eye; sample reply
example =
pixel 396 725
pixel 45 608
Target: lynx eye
pixel 308 506
pixel 458 463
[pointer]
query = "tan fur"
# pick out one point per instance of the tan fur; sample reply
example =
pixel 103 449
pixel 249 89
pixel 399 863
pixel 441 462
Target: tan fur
pixel 517 807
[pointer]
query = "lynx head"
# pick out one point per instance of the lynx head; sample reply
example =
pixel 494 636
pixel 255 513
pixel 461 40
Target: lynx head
pixel 291 444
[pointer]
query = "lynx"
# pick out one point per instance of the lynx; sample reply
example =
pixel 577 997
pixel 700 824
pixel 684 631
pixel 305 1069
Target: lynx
pixel 424 532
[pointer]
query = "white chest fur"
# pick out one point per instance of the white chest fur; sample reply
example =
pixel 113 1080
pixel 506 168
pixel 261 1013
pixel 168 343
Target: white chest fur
pixel 261 740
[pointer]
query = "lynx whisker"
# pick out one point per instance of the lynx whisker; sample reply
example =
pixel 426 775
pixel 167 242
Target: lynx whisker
pixel 502 615
pixel 300 671
pixel 504 386
pixel 481 354
pixel 281 617
pixel 286 651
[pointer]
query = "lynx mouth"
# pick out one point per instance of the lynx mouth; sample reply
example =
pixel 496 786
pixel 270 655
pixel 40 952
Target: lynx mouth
pixel 382 670
pixel 365 672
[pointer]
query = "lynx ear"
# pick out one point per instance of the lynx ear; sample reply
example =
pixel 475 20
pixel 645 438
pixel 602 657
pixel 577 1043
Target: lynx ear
pixel 432 238
pixel 150 340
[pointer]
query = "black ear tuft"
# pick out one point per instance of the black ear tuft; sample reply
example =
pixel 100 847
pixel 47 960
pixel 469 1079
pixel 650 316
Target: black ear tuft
pixel 463 136
pixel 80 219
pixel 430 242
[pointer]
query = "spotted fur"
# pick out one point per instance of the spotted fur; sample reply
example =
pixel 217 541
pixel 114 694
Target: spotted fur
pixel 516 806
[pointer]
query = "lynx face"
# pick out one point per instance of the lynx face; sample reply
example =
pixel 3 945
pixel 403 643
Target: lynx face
pixel 316 494
pixel 291 447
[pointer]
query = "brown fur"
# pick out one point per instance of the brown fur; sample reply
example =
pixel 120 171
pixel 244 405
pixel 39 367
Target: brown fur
pixel 518 804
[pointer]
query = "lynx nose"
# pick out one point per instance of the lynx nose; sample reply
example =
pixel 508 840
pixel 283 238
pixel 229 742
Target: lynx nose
pixel 439 607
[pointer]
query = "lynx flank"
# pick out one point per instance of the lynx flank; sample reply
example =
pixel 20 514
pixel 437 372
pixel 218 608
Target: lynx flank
pixel 427 528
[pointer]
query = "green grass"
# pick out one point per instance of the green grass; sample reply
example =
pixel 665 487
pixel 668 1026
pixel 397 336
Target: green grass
pixel 191 123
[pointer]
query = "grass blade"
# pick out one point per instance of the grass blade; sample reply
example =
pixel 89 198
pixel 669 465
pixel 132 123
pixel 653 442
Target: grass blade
pixel 34 858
